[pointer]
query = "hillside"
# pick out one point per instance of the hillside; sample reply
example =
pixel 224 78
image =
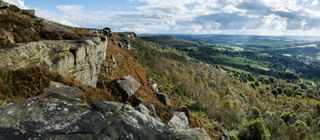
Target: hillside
pixel 74 83
pixel 281 108
pixel 61 82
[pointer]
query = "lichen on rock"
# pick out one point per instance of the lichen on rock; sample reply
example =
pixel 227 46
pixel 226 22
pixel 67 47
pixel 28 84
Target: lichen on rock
pixel 77 59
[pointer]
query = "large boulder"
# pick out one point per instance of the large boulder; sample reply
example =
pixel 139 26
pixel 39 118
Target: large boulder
pixel 107 31
pixel 163 98
pixel 77 59
pixel 179 121
pixel 57 114
pixel 126 87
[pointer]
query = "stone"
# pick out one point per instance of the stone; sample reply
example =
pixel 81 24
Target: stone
pixel 179 121
pixel 143 109
pixel 154 85
pixel 107 32
pixel 80 60
pixel 127 86
pixel 58 115
pixel 163 98
pixel 142 106
pixel 155 88
pixel 185 110
pixel 62 89
pixel 114 61
pixel 192 134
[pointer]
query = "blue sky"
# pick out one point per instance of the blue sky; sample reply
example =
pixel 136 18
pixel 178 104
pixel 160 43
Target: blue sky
pixel 88 4
pixel 259 17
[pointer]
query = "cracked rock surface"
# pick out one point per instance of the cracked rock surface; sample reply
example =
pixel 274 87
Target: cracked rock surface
pixel 57 114
pixel 77 59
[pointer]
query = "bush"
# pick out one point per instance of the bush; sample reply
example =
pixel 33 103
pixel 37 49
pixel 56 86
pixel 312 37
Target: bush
pixel 301 128
pixel 288 117
pixel 254 130
pixel 255 112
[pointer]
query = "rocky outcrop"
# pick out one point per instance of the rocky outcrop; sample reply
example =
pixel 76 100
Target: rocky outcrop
pixel 101 32
pixel 127 38
pixel 77 59
pixel 57 114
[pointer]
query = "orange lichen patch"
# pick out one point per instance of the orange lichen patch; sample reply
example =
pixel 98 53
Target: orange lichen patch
pixel 121 62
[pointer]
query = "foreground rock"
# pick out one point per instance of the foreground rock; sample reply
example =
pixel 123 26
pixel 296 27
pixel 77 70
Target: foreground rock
pixel 57 114
pixel 80 60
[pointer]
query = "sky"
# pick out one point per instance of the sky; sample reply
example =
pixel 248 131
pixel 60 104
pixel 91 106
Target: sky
pixel 257 17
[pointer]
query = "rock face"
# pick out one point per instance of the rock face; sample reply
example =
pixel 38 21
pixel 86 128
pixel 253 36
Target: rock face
pixel 57 114
pixel 80 59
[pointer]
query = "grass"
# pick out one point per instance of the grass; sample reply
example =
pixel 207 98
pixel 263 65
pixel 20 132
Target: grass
pixel 29 82
pixel 18 27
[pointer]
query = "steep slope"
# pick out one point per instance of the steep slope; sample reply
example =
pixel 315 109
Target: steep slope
pixel 61 87
pixel 224 102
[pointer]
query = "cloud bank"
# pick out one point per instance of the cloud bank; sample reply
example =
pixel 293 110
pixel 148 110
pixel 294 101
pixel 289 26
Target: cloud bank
pixel 272 17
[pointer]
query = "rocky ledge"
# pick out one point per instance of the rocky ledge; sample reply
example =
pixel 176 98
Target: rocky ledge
pixel 77 59
pixel 58 114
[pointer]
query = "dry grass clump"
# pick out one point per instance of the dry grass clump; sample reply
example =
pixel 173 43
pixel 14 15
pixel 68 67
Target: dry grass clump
pixel 31 81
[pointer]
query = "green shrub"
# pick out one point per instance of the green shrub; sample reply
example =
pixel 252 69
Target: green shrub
pixel 254 130
pixel 301 128
pixel 255 112
pixel 288 117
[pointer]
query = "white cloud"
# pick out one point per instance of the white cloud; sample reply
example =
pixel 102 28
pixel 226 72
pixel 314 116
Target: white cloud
pixel 274 23
pixel 198 16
